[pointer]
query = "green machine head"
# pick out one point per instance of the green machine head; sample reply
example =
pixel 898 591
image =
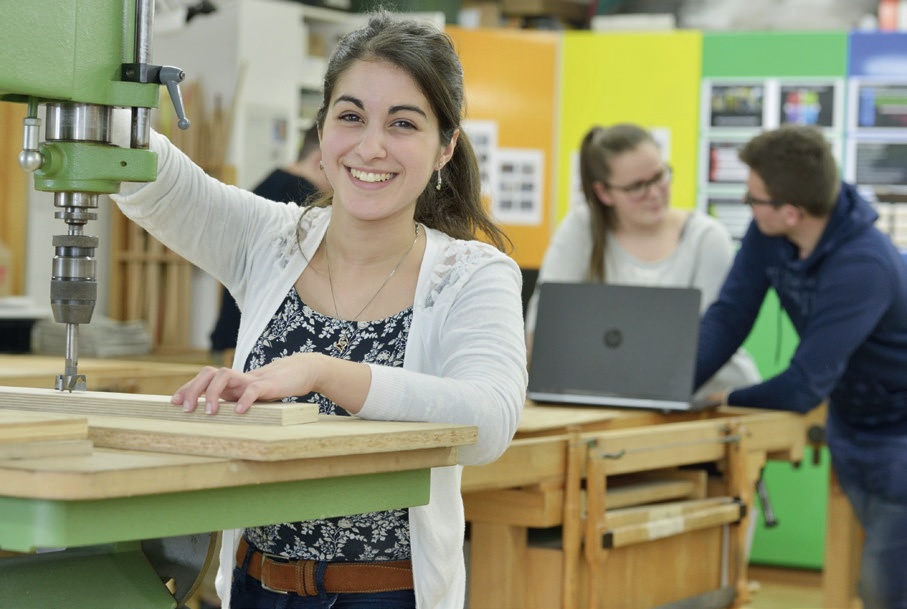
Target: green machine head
pixel 86 62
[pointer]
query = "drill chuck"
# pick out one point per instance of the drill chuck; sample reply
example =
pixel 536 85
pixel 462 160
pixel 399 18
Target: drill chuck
pixel 74 286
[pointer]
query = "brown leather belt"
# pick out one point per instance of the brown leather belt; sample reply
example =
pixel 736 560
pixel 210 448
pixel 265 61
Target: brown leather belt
pixel 278 574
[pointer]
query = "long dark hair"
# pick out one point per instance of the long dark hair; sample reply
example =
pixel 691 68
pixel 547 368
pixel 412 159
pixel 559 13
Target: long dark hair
pixel 600 146
pixel 428 56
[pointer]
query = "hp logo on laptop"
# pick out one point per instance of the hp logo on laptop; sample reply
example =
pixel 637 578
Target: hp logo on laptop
pixel 613 338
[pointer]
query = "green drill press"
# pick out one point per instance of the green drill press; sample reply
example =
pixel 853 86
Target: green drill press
pixel 88 62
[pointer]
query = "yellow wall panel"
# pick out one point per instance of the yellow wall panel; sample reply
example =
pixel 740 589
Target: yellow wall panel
pixel 650 79
pixel 511 78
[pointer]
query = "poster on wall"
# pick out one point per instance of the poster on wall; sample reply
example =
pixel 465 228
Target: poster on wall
pixel 882 106
pixel 736 105
pixel 730 211
pixel 881 164
pixel 807 104
pixel 483 135
pixel 724 164
pixel 518 193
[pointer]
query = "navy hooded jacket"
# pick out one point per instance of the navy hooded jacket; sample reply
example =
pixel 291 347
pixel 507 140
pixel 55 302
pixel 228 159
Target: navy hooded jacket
pixel 848 303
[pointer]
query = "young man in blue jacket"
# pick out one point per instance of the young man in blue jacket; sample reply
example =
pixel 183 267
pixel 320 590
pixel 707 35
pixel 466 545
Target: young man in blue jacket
pixel 844 286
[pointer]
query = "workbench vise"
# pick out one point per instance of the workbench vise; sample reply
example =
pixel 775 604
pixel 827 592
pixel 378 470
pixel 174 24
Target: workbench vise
pixel 87 62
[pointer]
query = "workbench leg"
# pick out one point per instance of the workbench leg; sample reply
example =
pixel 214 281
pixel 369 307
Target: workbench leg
pixel 499 583
pixel 843 549
pixel 595 527
pixel 572 530
pixel 740 485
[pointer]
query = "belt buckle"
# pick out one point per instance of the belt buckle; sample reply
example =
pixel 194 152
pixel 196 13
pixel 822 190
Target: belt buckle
pixel 276 558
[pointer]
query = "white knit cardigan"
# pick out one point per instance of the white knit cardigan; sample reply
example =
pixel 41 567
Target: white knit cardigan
pixel 465 359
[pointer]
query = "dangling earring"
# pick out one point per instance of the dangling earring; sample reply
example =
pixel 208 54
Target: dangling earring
pixel 438 186
pixel 321 165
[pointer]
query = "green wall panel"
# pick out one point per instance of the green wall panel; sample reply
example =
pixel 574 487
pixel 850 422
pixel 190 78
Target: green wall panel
pixel 774 54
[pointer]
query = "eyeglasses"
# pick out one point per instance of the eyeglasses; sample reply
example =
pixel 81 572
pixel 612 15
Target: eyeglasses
pixel 750 200
pixel 638 190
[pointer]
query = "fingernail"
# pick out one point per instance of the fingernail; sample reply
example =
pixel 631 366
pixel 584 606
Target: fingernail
pixel 186 406
pixel 209 408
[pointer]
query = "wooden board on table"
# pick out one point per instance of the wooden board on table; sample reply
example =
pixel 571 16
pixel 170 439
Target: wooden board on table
pixel 330 436
pixel 20 427
pixel 45 449
pixel 539 417
pixel 150 406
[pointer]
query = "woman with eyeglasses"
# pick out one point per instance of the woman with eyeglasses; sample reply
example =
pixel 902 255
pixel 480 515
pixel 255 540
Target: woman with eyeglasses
pixel 628 233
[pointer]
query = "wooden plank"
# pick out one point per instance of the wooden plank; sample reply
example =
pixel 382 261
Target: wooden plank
pixel 525 462
pixel 151 406
pixel 525 507
pixel 13 191
pixel 649 492
pixel 153 297
pixel 329 436
pixel 670 526
pixel 642 514
pixel 18 427
pixel 107 473
pixel 662 446
pixel 44 449
pixel 540 418
pixel 132 272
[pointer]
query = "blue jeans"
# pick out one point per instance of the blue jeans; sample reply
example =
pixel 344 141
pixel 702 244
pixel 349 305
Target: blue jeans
pixel 247 593
pixel 872 471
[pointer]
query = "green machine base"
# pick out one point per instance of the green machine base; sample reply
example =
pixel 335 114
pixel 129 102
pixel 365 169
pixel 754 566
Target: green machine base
pixel 106 577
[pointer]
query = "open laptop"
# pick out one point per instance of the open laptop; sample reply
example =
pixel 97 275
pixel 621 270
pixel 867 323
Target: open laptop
pixel 616 345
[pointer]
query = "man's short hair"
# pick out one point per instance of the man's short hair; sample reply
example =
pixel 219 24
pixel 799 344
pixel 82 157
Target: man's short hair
pixel 797 165
pixel 309 143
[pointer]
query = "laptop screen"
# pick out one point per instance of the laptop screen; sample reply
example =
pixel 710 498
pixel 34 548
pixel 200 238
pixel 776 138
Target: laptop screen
pixel 620 345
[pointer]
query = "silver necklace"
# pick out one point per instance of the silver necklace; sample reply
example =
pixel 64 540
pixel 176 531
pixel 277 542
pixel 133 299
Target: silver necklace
pixel 346 334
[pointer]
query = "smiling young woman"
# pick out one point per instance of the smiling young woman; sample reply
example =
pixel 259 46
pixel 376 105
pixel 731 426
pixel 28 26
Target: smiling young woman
pixel 377 299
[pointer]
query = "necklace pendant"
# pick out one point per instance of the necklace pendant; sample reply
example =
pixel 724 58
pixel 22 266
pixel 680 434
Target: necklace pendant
pixel 342 343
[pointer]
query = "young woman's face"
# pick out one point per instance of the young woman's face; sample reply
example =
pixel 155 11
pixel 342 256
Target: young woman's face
pixel 639 187
pixel 380 142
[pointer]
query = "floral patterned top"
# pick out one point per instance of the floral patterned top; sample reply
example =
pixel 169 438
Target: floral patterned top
pixel 296 328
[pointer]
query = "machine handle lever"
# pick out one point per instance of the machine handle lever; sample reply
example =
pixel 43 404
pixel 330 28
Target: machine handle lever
pixel 768 512
pixel 172 77
pixel 162 75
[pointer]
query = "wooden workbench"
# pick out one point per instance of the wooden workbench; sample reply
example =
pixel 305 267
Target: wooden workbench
pixel 145 478
pixel 669 497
